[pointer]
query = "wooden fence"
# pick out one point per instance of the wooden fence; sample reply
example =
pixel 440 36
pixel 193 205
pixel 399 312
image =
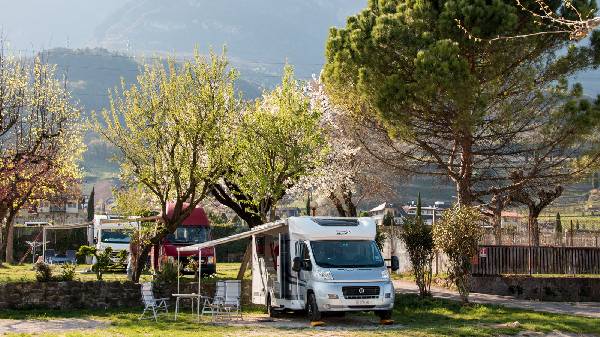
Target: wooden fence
pixel 499 260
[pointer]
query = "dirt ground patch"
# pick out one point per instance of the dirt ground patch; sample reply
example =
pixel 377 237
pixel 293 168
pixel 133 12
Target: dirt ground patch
pixel 51 325
pixel 290 321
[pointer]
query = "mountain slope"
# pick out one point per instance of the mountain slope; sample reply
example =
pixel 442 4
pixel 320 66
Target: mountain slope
pixel 255 31
pixel 90 74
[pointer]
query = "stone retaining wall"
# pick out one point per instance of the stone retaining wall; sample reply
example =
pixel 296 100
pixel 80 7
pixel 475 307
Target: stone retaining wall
pixel 69 295
pixel 92 295
pixel 561 289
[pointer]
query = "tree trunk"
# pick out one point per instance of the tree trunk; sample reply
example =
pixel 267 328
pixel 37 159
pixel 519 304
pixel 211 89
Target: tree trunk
pixel 9 243
pixel 338 204
pixel 497 224
pixel 138 265
pixel 250 215
pixel 347 195
pixel 463 182
pixel 534 228
pixel 245 261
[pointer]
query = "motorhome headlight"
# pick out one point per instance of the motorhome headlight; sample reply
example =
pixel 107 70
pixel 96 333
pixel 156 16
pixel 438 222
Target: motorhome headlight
pixel 324 275
pixel 210 260
pixel 385 275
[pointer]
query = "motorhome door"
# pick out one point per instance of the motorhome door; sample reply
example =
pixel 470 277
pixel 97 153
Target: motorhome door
pixel 304 273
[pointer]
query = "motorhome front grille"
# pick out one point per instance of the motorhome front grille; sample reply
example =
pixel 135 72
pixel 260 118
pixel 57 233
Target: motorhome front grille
pixel 360 292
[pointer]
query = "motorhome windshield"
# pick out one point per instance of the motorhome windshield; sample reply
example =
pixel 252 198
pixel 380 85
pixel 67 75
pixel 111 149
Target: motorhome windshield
pixel 116 236
pixel 189 235
pixel 346 254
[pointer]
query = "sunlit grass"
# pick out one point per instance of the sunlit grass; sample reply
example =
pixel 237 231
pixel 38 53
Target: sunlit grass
pixel 413 317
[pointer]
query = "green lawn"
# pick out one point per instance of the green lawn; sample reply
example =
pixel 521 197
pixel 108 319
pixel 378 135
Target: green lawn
pixel 413 317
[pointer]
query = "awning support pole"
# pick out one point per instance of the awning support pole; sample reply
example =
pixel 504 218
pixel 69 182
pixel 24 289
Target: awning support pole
pixel 44 243
pixel 199 269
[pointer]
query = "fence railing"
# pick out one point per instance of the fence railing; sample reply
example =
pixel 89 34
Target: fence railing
pixel 578 239
pixel 497 260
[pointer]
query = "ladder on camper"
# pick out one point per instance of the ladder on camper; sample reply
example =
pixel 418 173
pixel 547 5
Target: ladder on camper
pixel 30 249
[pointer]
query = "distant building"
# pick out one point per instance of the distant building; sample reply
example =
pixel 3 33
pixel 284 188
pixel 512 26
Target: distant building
pixel 379 212
pixel 71 211
pixel 286 212
pixel 429 214
pixel 511 219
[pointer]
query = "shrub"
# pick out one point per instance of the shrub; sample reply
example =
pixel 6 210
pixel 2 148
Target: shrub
pixel 380 236
pixel 67 272
pixel 103 259
pixel 43 272
pixel 168 272
pixel 458 235
pixel 418 239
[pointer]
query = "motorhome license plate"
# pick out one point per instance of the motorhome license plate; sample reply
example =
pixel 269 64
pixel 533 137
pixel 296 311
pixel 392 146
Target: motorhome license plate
pixel 362 302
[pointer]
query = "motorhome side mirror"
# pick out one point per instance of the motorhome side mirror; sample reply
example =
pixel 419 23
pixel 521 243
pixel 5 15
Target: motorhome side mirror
pixel 307 265
pixel 395 263
pixel 297 264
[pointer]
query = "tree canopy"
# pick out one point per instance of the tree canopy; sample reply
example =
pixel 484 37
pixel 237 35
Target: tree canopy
pixel 170 131
pixel 40 138
pixel 277 141
pixel 491 117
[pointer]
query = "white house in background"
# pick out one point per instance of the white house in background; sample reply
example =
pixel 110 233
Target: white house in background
pixel 429 214
pixel 379 212
pixel 64 212
pixel 511 219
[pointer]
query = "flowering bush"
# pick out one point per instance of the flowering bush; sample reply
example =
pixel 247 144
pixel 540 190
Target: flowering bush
pixel 458 235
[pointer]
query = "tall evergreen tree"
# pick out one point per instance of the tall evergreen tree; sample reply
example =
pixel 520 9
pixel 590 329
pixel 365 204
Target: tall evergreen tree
pixel 418 213
pixel 90 206
pixel 558 228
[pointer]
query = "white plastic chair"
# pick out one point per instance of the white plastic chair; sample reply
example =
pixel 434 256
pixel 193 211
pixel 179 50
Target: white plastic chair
pixel 226 300
pixel 231 303
pixel 211 305
pixel 155 305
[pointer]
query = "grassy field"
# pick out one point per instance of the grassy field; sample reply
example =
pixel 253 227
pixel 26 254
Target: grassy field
pixel 25 273
pixel 413 317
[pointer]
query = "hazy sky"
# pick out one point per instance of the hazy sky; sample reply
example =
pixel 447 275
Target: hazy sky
pixel 40 24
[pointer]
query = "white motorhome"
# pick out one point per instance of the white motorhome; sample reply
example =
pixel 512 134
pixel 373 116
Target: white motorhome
pixel 109 231
pixel 318 264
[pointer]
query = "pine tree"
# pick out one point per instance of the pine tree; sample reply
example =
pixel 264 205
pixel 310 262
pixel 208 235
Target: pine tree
pixel 558 228
pixel 90 206
pixel 308 205
pixel 418 213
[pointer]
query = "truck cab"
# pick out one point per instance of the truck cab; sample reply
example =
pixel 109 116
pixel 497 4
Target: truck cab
pixel 110 232
pixel 195 229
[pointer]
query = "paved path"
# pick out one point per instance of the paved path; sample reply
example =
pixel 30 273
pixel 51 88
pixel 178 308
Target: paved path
pixel 588 309
pixel 50 325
